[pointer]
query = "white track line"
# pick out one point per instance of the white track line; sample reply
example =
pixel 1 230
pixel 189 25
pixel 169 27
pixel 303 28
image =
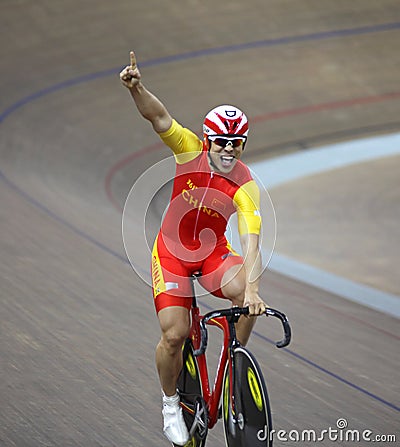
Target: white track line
pixel 280 170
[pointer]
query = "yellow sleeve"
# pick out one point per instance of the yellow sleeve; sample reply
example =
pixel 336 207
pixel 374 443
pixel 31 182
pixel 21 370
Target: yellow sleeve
pixel 247 201
pixel 184 143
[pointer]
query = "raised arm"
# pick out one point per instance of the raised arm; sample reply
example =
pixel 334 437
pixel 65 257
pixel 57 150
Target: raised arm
pixel 149 106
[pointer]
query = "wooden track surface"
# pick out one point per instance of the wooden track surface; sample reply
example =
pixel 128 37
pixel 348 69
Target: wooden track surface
pixel 78 328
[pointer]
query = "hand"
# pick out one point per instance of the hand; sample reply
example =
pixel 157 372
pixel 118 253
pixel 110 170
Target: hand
pixel 255 303
pixel 130 75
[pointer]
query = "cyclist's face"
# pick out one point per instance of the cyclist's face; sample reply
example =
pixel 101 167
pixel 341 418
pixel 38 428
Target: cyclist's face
pixel 224 155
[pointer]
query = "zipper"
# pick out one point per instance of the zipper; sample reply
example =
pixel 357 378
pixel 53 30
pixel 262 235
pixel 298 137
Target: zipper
pixel 201 204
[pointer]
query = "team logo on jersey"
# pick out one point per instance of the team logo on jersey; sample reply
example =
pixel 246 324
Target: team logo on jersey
pixel 195 203
pixel 218 205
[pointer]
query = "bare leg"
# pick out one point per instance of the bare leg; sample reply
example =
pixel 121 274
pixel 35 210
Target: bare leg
pixel 243 329
pixel 175 327
pixel 234 282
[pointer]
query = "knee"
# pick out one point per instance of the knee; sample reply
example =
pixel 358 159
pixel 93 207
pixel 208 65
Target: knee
pixel 173 338
pixel 234 288
pixel 237 296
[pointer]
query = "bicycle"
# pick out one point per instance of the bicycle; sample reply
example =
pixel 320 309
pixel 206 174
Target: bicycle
pixel 245 410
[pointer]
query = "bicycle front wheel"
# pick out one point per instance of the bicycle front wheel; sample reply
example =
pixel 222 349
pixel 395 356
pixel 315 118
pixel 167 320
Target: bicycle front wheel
pixel 247 417
pixel 193 405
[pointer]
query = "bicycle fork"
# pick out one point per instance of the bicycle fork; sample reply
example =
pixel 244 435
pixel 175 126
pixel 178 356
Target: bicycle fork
pixel 237 419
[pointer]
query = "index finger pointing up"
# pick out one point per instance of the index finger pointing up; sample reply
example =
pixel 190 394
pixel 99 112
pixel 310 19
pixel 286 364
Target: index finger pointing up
pixel 133 60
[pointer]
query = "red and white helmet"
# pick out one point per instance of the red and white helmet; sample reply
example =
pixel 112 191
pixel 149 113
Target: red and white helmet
pixel 225 120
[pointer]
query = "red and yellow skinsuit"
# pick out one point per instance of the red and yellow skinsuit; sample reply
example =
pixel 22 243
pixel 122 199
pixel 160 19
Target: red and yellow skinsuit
pixel 192 234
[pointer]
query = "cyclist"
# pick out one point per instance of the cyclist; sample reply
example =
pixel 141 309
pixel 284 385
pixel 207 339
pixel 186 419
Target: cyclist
pixel 210 184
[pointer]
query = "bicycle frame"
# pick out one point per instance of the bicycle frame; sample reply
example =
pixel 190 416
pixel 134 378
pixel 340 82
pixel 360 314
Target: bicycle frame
pixel 225 320
pixel 212 395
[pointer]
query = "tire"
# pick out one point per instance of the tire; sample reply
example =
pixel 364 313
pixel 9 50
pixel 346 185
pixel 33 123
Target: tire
pixel 252 423
pixel 190 390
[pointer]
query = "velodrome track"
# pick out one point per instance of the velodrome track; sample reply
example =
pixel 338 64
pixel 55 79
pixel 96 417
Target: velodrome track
pixel 78 329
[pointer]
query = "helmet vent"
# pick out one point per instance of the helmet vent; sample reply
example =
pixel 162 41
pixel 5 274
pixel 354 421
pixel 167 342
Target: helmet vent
pixel 231 126
pixel 225 119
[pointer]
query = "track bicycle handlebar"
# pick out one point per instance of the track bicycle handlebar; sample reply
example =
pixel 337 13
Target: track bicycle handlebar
pixel 236 312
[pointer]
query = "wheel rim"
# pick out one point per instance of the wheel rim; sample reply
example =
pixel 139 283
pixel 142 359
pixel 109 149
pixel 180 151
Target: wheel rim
pixel 193 405
pixel 252 423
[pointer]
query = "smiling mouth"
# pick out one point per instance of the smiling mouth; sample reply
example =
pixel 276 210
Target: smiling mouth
pixel 227 160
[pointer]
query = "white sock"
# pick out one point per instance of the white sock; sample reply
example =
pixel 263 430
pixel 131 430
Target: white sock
pixel 170 400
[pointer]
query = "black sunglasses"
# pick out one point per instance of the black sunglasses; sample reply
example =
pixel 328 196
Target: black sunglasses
pixel 223 142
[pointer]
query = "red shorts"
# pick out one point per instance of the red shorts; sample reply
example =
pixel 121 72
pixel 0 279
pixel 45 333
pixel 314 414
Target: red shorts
pixel 171 273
